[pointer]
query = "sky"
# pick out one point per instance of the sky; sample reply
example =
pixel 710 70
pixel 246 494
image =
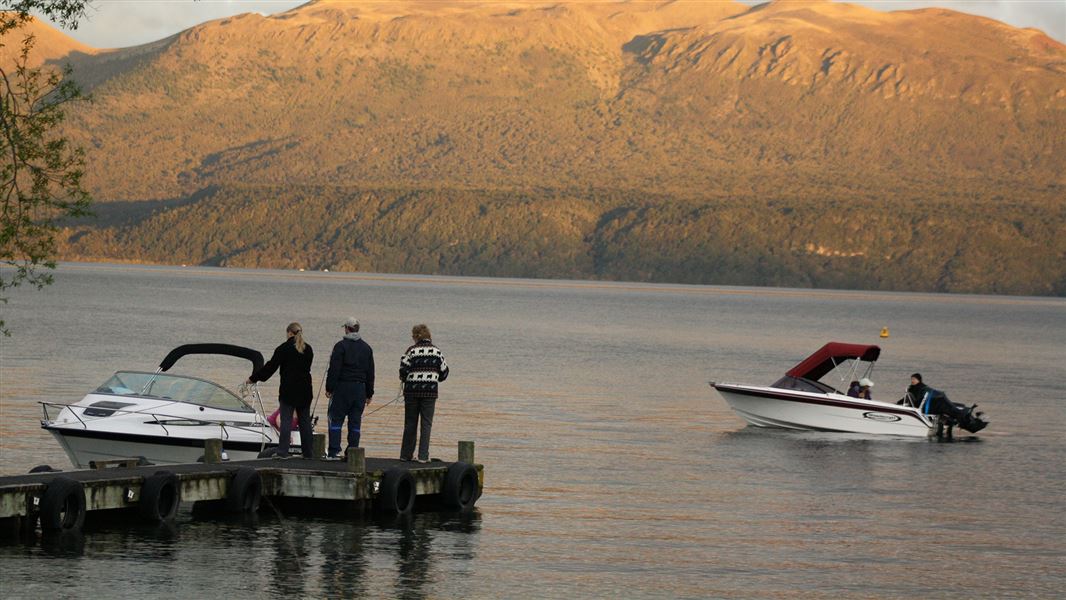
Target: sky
pixel 120 23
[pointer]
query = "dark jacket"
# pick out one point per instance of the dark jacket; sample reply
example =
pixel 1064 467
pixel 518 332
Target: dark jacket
pixel 295 388
pixel 422 367
pixel 917 392
pixel 352 360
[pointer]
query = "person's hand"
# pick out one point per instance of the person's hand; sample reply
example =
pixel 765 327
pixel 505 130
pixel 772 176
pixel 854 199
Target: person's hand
pixel 248 381
pixel 329 394
pixel 368 401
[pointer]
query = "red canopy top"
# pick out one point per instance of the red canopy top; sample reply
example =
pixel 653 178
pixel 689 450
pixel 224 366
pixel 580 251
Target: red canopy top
pixel 829 356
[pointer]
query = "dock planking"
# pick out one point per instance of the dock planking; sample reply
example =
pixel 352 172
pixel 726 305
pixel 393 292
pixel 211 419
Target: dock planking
pixel 60 500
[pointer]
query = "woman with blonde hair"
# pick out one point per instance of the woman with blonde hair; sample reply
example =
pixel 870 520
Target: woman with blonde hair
pixel 294 357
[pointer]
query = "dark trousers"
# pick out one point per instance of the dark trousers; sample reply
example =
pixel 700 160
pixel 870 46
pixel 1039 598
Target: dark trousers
pixel 347 403
pixel 303 413
pixel 413 409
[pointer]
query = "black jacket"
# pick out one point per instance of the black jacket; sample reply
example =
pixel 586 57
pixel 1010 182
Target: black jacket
pixel 917 392
pixel 295 388
pixel 351 360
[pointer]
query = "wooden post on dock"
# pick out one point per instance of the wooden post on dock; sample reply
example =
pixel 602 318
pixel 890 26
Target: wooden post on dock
pixel 466 452
pixel 319 445
pixel 357 460
pixel 213 451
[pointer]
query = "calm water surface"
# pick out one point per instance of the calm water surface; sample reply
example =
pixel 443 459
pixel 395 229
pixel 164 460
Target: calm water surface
pixel 612 469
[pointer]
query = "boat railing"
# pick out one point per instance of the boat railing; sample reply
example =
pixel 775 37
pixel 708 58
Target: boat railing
pixel 159 419
pixel 922 405
pixel 48 417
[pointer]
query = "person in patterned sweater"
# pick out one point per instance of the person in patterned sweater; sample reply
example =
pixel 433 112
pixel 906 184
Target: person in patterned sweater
pixel 422 367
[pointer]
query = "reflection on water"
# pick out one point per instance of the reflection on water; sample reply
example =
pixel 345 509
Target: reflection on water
pixel 612 469
pixel 291 556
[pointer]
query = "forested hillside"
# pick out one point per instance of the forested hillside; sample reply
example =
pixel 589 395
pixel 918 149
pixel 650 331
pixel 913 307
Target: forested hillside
pixel 919 243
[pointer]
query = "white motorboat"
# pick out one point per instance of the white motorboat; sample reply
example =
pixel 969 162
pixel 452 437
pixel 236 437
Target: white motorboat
pixel 801 400
pixel 163 417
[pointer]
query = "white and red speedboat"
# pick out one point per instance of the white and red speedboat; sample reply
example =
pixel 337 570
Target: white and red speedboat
pixel 801 400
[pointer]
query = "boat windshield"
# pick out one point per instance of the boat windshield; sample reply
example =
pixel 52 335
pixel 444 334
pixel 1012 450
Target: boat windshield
pixel 173 387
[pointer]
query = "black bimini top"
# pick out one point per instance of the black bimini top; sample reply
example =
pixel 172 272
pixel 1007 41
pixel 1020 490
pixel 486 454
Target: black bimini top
pixel 225 349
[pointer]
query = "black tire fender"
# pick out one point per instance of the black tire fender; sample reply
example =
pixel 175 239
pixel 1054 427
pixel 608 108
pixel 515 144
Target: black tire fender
pixel 160 496
pixel 63 505
pixel 460 487
pixel 245 491
pixel 43 469
pixel 397 492
pixel 268 453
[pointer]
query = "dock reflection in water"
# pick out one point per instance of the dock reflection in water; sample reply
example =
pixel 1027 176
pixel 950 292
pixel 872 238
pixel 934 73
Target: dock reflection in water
pixel 232 557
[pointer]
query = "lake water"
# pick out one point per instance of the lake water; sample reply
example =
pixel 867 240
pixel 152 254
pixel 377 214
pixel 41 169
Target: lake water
pixel 611 468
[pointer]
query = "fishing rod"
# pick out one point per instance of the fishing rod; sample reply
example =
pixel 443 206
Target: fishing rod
pixel 321 384
pixel 398 396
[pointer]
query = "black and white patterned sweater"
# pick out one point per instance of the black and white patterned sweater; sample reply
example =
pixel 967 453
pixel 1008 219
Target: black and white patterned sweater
pixel 422 367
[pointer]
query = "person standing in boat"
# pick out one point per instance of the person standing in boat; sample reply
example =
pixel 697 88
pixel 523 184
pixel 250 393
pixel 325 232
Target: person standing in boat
pixel 422 368
pixel 293 357
pixel 349 386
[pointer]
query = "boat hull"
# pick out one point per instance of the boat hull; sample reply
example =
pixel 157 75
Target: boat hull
pixel 85 445
pixel 808 411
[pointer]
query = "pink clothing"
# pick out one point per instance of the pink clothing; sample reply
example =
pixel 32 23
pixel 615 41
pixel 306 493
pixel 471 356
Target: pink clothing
pixel 273 420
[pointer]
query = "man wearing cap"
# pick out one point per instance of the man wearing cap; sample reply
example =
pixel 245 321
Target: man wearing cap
pixel 349 386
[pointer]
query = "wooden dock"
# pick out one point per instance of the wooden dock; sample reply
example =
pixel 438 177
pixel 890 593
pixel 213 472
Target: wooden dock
pixel 61 500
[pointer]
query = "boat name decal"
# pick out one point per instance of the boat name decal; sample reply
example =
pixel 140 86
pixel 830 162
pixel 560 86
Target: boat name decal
pixel 875 416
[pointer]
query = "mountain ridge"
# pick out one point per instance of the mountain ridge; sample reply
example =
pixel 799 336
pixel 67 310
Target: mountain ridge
pixel 50 44
pixel 713 103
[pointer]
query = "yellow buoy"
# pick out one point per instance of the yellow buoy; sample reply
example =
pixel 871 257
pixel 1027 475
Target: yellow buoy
pixel 884 332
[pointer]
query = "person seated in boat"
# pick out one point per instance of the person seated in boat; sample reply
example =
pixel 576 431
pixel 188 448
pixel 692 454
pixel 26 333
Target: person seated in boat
pixel 853 389
pixel 936 402
pixel 916 392
pixel 864 389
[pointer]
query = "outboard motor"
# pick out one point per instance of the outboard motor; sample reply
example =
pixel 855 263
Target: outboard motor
pixel 971 420
pixel 953 413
